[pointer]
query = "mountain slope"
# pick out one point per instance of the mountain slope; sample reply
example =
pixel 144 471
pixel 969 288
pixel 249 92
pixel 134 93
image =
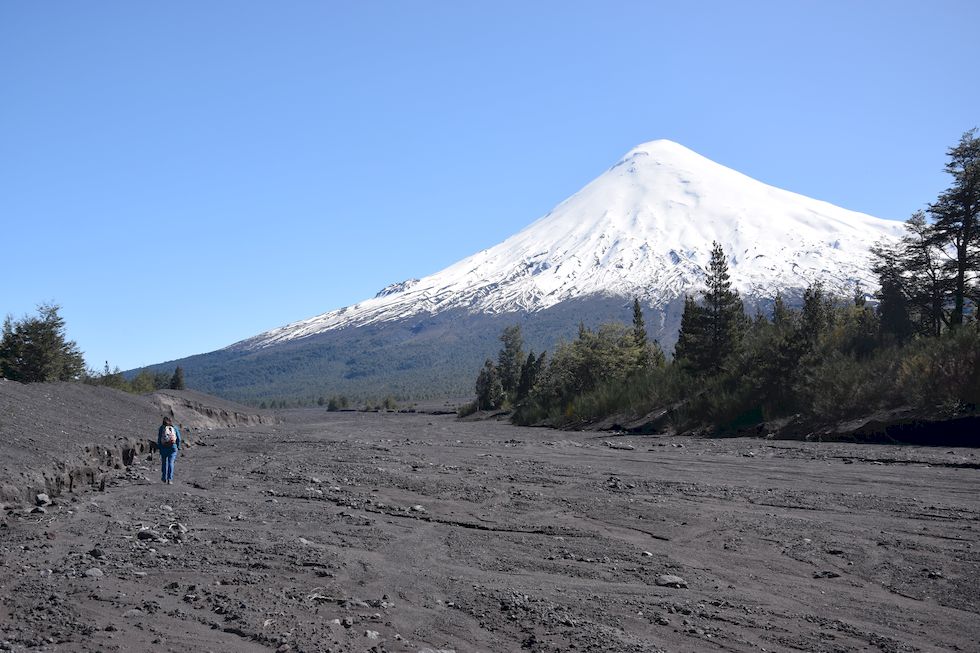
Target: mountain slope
pixel 643 228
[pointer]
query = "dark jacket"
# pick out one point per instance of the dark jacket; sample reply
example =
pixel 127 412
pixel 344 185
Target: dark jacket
pixel 167 449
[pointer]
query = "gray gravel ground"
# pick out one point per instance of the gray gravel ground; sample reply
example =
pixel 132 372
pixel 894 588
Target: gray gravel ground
pixel 409 532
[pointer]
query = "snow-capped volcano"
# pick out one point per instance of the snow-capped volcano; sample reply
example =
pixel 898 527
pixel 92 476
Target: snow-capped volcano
pixel 643 228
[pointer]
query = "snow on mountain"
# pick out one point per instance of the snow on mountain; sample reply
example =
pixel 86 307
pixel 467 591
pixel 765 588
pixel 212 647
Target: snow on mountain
pixel 643 228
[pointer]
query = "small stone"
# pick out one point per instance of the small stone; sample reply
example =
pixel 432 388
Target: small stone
pixel 669 580
pixel 418 508
pixel 347 622
pixel 96 553
pixel 146 535
pixel 133 612
pixel 826 574
pixel 39 510
pixel 647 554
pixel 625 446
pixel 94 572
pixel 42 499
pixel 372 634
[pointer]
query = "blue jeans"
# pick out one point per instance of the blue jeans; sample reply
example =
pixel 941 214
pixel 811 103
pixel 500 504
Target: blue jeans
pixel 167 465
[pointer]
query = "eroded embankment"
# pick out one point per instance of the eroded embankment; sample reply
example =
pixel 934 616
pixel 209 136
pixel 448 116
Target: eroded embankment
pixel 90 468
pixel 907 425
pixel 58 437
pixel 201 411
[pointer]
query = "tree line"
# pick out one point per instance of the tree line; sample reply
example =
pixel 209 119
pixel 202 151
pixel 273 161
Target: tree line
pixel 36 349
pixel 144 381
pixel 830 358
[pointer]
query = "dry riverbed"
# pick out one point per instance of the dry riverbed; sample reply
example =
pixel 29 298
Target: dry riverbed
pixel 409 532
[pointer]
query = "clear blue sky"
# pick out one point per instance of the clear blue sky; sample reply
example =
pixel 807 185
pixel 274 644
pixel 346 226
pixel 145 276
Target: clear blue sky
pixel 181 175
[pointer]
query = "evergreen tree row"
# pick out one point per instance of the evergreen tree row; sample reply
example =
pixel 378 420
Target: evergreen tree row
pixel 830 359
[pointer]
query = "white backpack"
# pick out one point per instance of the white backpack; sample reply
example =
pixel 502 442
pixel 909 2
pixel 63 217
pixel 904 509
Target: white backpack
pixel 169 436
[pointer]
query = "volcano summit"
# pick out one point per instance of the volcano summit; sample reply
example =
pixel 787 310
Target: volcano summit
pixel 644 228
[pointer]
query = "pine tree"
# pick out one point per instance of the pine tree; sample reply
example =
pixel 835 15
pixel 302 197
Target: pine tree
pixel 817 313
pixel 639 327
pixel 35 349
pixel 912 280
pixel 780 312
pixel 489 391
pixel 640 335
pixel 177 380
pixel 510 359
pixel 691 345
pixel 927 285
pixel 894 312
pixel 527 378
pixel 956 221
pixel 142 382
pixel 710 331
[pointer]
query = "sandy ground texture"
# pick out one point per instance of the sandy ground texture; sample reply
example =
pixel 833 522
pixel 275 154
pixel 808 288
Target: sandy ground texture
pixel 408 532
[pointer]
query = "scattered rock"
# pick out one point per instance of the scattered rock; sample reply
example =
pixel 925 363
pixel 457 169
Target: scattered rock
pixel 625 446
pixel 97 553
pixel 42 499
pixel 669 580
pixel 418 508
pixel 147 535
pixel 372 634
pixel 94 572
pixel 826 574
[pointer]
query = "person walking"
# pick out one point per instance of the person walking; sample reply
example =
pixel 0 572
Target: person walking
pixel 168 443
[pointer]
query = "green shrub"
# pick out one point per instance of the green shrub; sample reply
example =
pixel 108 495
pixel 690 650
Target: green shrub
pixel 943 371
pixel 466 409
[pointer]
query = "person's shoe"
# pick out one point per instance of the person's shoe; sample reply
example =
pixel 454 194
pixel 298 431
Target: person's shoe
pixel 169 482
